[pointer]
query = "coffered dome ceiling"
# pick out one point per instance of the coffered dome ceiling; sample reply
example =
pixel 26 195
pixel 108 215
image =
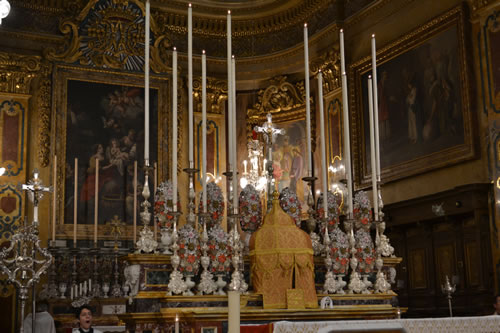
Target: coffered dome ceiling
pixel 260 27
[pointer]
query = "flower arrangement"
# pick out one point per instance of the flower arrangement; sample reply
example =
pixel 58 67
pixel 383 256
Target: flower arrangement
pixel 250 209
pixel 219 250
pixel 215 205
pixel 335 203
pixel 362 210
pixel 365 251
pixel 339 248
pixel 290 204
pixel 163 205
pixel 189 250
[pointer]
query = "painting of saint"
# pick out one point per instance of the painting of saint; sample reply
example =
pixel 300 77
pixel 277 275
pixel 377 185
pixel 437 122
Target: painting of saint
pixel 106 123
pixel 419 102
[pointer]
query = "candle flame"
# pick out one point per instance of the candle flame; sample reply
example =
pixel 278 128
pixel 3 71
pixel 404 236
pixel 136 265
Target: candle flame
pixel 369 77
pixel 176 317
pixel 203 51
pixel 341 30
pixel 373 35
pixel 305 25
pixel 190 5
pixel 232 56
pixel 228 12
pixel 175 49
pixel 344 73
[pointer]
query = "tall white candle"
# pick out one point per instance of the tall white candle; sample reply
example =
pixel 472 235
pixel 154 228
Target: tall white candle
pixel 372 147
pixel 190 84
pixel 347 145
pixel 342 51
pixel 233 311
pixel 308 104
pixel 229 94
pixel 146 86
pixel 324 164
pixel 96 200
pixel 204 128
pixel 135 202
pixel 176 323
pixel 233 141
pixel 54 199
pixel 174 129
pixel 375 105
pixel 75 203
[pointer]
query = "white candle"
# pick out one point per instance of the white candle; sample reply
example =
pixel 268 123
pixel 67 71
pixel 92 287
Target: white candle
pixel 342 51
pixel 308 104
pixel 244 167
pixel 146 86
pixel 375 105
pixel 233 311
pixel 54 200
pixel 324 165
pixel 85 287
pixel 233 141
pixel 347 145
pixel 229 94
pixel 176 323
pixel 135 202
pixel 372 147
pixel 190 83
pixel 174 129
pixel 96 200
pixel 204 128
pixel 75 203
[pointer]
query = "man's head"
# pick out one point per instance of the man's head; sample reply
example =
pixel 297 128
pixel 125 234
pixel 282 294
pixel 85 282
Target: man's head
pixel 84 316
pixel 496 304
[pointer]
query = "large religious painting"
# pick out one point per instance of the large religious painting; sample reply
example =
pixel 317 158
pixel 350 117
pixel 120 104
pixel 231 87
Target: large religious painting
pixel 425 120
pixel 102 119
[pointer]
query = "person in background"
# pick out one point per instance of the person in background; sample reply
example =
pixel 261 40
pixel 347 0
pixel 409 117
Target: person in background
pixel 84 316
pixel 44 323
pixel 496 305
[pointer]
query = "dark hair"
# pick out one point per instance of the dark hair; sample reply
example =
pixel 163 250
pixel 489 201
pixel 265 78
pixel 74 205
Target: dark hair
pixel 81 308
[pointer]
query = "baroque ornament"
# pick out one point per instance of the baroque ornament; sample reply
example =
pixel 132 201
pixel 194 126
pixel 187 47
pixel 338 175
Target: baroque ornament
pixel 250 209
pixel 290 204
pixel 163 205
pixel 215 205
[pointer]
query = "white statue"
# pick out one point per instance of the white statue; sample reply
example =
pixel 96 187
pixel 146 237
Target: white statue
pixel 132 274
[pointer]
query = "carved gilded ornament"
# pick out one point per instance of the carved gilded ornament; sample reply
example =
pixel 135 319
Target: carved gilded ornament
pixel 110 34
pixel 216 95
pixel 329 64
pixel 17 72
pixel 284 100
pixel 44 103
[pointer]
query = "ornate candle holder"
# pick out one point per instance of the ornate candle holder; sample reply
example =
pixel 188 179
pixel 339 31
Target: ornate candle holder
pixel 176 284
pixel 311 221
pixel 329 287
pixel 146 242
pixel 191 215
pixel 448 289
pixel 237 277
pixel 207 284
pixel 96 287
pixel 355 284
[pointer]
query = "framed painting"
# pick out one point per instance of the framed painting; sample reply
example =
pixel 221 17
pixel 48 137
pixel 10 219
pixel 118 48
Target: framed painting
pixel 425 119
pixel 334 132
pixel 100 116
pixel 491 78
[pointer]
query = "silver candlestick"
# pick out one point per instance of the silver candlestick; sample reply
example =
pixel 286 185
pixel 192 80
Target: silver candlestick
pixel 146 242
pixel 176 285
pixel 191 215
pixel 237 278
pixel 448 289
pixel 207 284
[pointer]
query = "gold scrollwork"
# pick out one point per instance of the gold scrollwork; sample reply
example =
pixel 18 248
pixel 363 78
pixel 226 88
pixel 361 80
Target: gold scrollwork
pixel 216 95
pixel 44 101
pixel 17 72
pixel 329 64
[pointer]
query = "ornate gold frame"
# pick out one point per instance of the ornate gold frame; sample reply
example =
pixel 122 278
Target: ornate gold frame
pixel 62 74
pixel 446 157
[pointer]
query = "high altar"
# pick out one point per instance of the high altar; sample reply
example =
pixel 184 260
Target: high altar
pixel 255 161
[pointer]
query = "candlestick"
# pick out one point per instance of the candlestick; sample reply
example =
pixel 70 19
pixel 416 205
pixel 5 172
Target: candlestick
pixel 75 203
pixel 96 200
pixel 174 129
pixel 372 147
pixel 176 323
pixel 324 165
pixel 234 139
pixel 308 104
pixel 54 200
pixel 135 202
pixel 146 85
pixel 190 83
pixel 204 127
pixel 375 106
pixel 347 145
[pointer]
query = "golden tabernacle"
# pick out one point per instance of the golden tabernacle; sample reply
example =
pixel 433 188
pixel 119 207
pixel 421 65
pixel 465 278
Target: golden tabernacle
pixel 281 259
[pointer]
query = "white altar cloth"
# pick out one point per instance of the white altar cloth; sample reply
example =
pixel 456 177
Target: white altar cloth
pixel 485 324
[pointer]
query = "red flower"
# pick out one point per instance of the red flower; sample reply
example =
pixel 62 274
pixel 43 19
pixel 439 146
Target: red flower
pixel 222 259
pixel 191 258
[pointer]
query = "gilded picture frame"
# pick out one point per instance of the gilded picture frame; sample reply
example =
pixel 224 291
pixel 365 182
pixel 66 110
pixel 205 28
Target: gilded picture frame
pixel 115 104
pixel 334 131
pixel 425 118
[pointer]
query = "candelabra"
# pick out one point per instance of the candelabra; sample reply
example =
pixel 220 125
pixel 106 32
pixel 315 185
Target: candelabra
pixel 329 287
pixel 237 278
pixel 207 285
pixel 191 215
pixel 176 285
pixel 24 261
pixel 146 242
pixel 311 221
pixel 355 283
pixel 448 289
pixel 257 175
